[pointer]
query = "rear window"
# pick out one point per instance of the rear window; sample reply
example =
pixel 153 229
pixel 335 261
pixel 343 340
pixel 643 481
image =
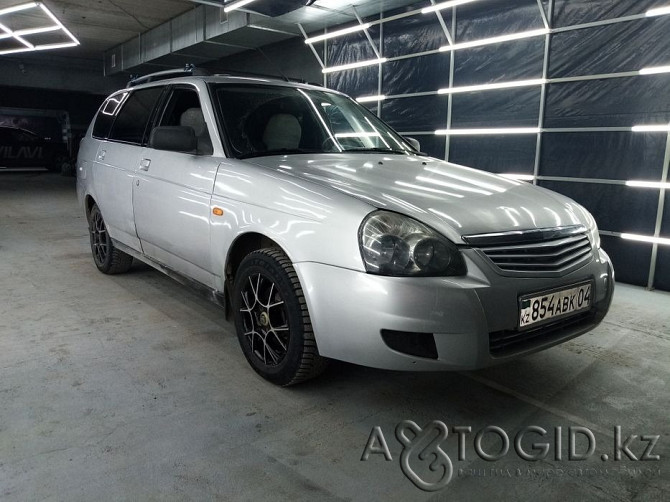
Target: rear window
pixel 105 118
pixel 131 122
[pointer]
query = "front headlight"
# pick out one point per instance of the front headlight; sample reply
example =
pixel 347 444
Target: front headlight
pixel 397 245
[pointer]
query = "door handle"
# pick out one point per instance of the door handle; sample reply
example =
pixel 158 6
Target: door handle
pixel 101 155
pixel 144 165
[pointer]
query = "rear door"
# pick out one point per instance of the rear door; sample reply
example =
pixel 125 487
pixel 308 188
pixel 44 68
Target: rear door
pixel 118 158
pixel 173 191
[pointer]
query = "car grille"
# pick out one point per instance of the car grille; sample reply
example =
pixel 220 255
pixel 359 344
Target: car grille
pixel 508 343
pixel 537 252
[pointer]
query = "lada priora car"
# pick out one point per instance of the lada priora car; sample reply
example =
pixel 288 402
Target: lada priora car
pixel 327 235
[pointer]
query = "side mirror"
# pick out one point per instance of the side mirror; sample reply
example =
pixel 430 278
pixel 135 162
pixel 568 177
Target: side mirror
pixel 173 139
pixel 414 142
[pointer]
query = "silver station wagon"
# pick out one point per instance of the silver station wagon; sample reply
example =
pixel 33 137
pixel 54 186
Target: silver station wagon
pixel 327 235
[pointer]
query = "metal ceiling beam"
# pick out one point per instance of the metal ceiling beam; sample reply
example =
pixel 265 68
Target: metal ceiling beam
pixel 212 3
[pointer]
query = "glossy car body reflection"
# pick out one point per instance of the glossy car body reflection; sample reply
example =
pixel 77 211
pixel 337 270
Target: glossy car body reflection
pixel 190 214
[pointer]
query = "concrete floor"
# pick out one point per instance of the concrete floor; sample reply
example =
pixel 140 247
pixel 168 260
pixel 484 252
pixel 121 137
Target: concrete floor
pixel 132 387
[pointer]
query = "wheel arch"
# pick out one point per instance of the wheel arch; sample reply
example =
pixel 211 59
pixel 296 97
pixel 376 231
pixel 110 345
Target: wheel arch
pixel 89 202
pixel 241 247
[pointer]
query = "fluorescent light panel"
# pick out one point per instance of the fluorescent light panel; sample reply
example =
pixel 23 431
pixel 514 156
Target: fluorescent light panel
pixel 497 85
pixel 35 31
pixel 350 66
pixel 19 35
pixel 445 5
pixel 646 238
pixel 229 7
pixel 18 38
pixel 660 11
pixel 655 69
pixel 479 132
pixel 338 33
pixel 495 40
pixel 651 128
pixel 647 184
pixel 17 8
pixel 369 99
pixel 57 21
pixel 63 45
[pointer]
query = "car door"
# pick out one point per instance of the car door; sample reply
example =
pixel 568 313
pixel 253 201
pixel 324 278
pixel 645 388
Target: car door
pixel 118 158
pixel 172 192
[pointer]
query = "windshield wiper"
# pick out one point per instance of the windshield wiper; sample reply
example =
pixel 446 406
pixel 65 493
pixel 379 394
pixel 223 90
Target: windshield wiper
pixel 375 150
pixel 280 151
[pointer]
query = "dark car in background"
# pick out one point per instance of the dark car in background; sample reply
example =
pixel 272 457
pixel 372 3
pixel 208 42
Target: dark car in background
pixel 20 148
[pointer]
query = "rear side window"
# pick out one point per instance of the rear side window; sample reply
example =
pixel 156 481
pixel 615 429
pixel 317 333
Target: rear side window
pixel 131 122
pixel 105 118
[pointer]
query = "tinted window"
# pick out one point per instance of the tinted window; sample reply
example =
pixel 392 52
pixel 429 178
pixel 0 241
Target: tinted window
pixel 105 118
pixel 131 123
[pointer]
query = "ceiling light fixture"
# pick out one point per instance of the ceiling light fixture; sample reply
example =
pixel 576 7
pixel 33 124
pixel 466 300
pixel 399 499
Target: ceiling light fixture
pixel 495 40
pixel 651 70
pixel 646 238
pixel 19 35
pixel 486 87
pixel 35 31
pixel 660 11
pixel 338 33
pixel 350 66
pixel 445 5
pixel 648 184
pixel 57 21
pixel 478 132
pixel 369 99
pixel 651 128
pixel 229 7
pixel 17 8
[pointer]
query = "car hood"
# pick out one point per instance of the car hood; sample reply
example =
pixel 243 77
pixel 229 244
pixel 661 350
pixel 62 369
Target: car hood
pixel 454 199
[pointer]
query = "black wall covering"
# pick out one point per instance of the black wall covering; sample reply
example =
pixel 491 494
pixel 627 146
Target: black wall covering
pixel 663 263
pixel 586 108
pixel 608 155
pixel 500 154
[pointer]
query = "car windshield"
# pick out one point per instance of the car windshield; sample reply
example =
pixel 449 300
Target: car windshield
pixel 262 120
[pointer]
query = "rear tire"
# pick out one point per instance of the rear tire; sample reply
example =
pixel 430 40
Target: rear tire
pixel 106 256
pixel 272 321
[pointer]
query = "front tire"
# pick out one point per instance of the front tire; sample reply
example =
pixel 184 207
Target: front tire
pixel 106 256
pixel 272 322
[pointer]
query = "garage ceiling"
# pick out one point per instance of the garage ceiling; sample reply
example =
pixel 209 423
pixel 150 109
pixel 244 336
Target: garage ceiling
pixel 101 25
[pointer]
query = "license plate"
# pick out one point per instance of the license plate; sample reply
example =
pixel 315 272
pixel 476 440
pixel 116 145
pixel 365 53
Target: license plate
pixel 543 307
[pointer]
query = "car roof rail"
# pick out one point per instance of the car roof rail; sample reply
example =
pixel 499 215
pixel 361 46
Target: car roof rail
pixel 248 74
pixel 188 71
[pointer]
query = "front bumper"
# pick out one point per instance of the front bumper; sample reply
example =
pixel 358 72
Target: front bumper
pixel 472 319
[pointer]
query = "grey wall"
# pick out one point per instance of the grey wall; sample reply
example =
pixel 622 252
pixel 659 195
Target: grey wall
pixel 292 57
pixel 59 73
